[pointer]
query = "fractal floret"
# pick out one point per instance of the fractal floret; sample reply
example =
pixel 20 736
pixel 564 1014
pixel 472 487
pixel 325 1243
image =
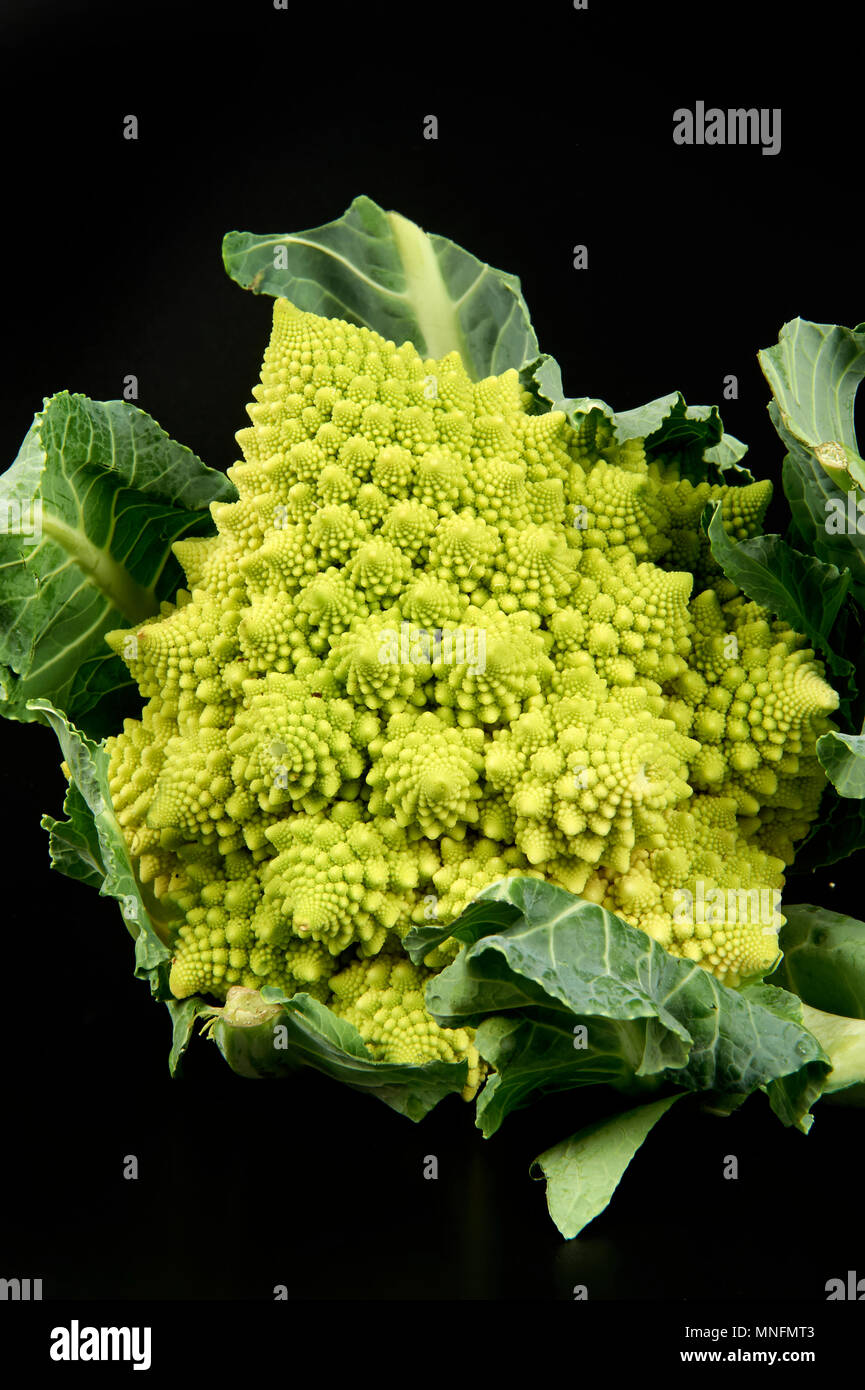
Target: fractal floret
pixel 440 639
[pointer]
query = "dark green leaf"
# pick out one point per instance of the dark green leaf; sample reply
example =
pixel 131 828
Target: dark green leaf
pixel 824 959
pixel 89 511
pixel 539 1051
pixel 566 963
pixel 692 436
pixel 183 1014
pixel 801 591
pixel 791 1096
pixel 478 919
pixel 838 832
pixel 725 457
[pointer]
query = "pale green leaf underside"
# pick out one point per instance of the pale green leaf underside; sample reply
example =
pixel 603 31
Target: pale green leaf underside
pixel 843 758
pixel 383 272
pixel 814 371
pixel 843 1041
pixel 584 1171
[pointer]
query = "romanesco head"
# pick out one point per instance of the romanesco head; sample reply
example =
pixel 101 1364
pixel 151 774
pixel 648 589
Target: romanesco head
pixel 438 639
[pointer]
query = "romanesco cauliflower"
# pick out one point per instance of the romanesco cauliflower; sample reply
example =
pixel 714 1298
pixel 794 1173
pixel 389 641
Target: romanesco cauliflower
pixel 437 640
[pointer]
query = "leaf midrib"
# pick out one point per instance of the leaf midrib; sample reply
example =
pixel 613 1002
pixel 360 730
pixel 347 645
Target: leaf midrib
pixel 426 291
pixel 129 598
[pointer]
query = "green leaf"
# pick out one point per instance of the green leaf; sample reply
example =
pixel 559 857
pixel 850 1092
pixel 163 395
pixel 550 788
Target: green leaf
pixel 648 1016
pixel 843 759
pixel 267 1034
pixel 183 1013
pixel 381 271
pixel 692 436
pixel 103 843
pixel 815 500
pixel 537 1050
pixel 674 430
pixel 809 594
pixel 792 1095
pixel 814 371
pixel 89 511
pixel 476 920
pixel 801 591
pixel 74 843
pixel 584 1171
pixel 824 959
pixel 725 457
pixel 843 1039
pixel 838 833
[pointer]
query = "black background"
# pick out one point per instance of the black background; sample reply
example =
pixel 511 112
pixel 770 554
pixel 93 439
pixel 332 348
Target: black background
pixel 554 129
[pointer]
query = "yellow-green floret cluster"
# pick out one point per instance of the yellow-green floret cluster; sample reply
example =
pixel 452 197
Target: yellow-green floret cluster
pixel 440 639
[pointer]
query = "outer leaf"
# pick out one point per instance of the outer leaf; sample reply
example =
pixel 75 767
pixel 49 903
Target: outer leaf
pixel 813 498
pixel 379 270
pixel 801 591
pixel 675 430
pixel 843 758
pixel 183 1013
pixel 814 371
pixel 828 959
pixel 791 1096
pixel 839 832
pixel 267 1034
pixel 537 1051
pixel 88 514
pixel 74 843
pixel 725 456
pixel 479 919
pixel 567 961
pixel 584 1171
pixel 88 770
pixel 843 1039
pixel 692 436
pixel 562 952
pixel 824 959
